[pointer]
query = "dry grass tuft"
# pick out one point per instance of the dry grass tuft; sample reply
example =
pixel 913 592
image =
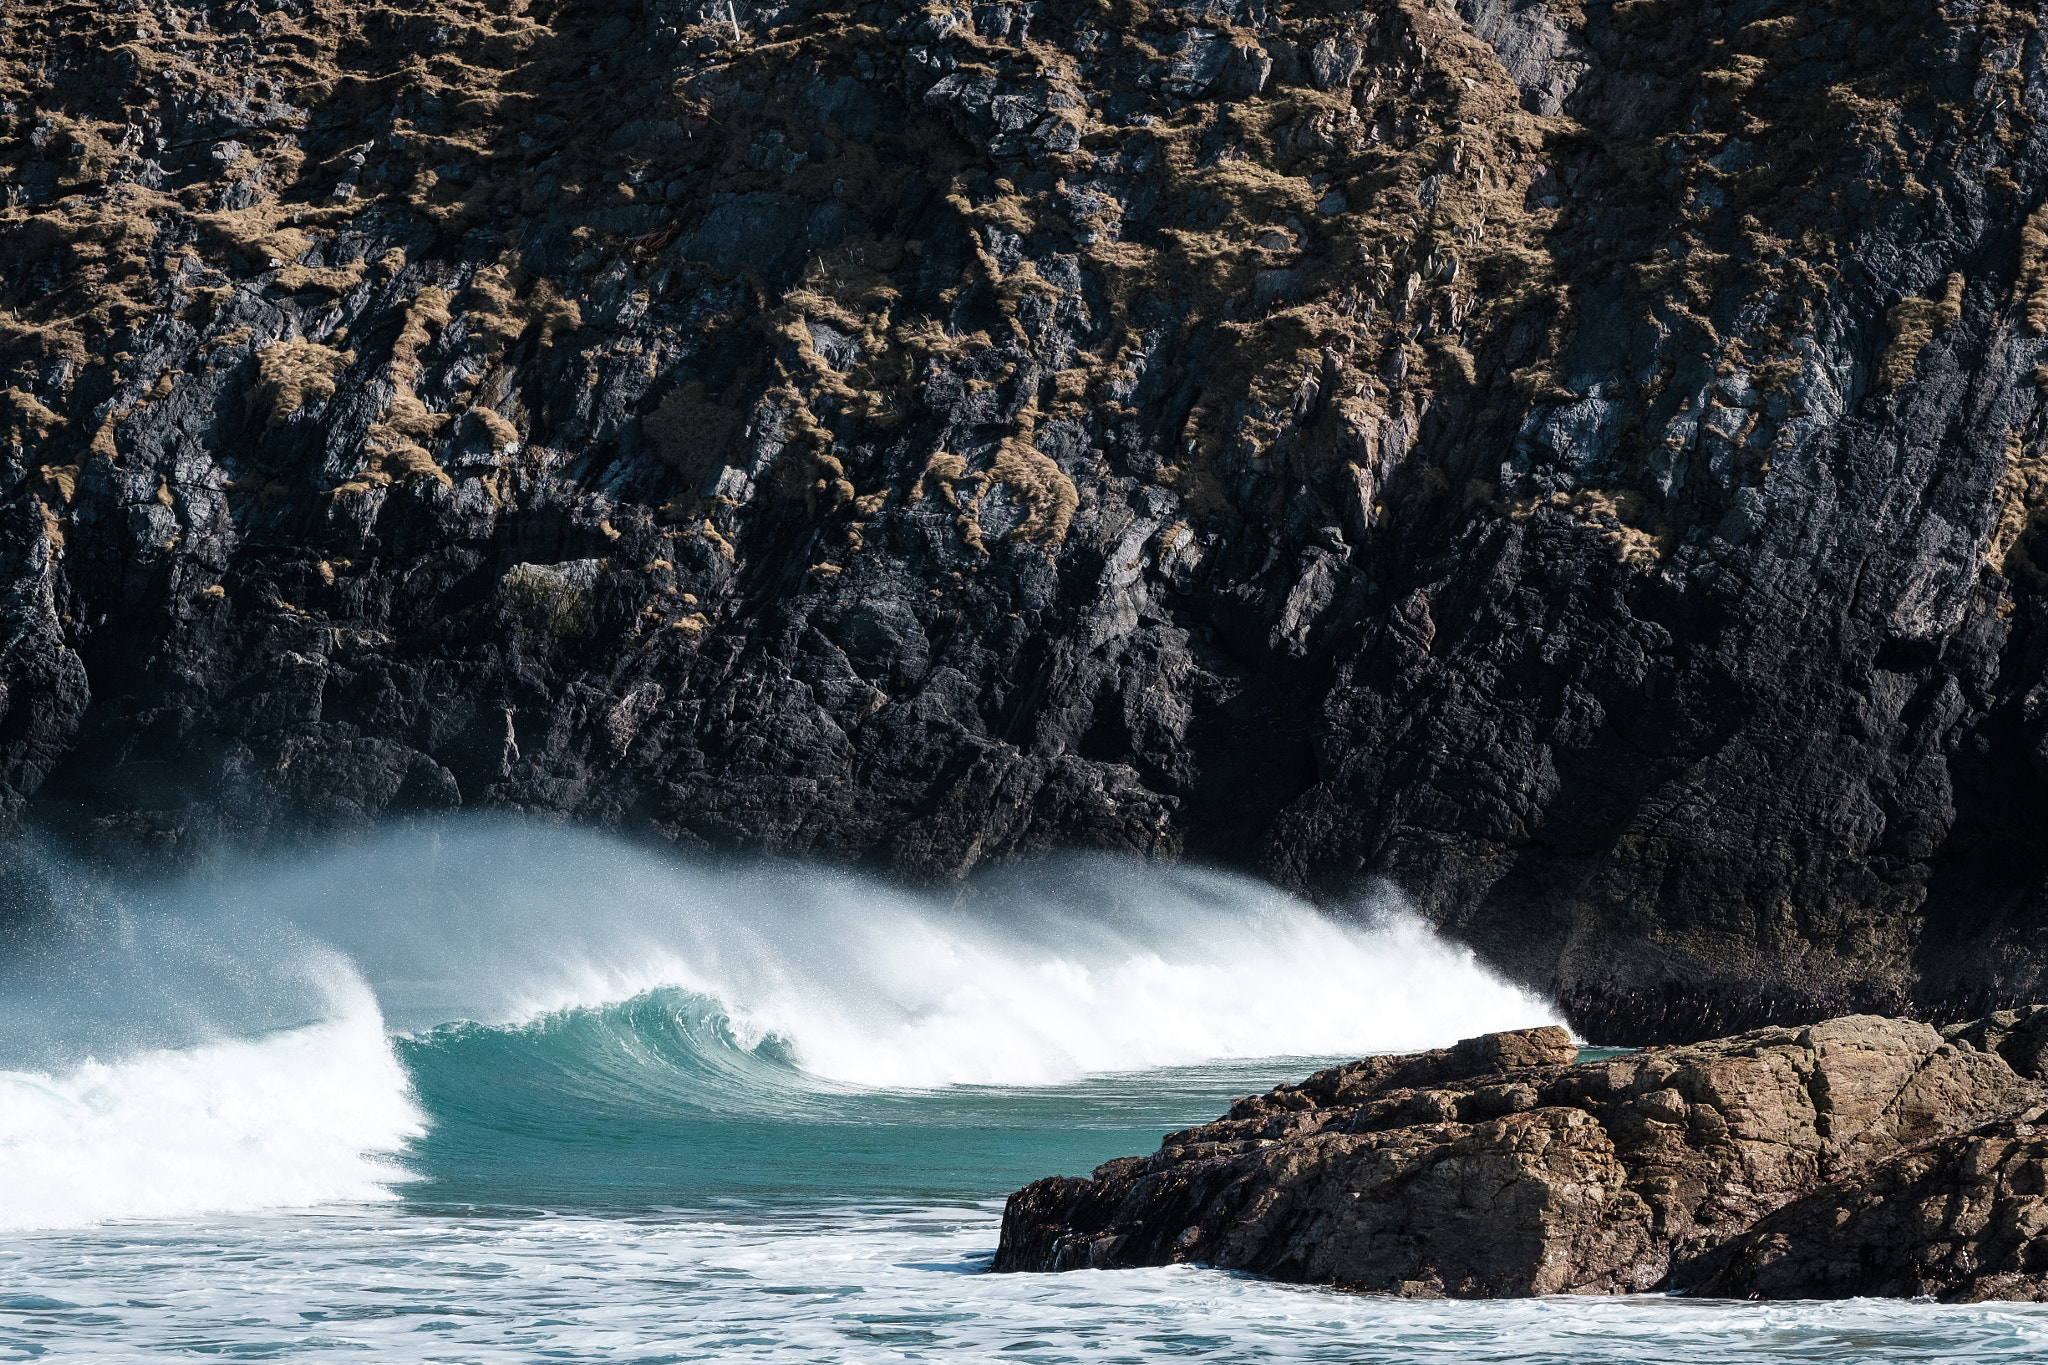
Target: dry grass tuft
pixel 2022 511
pixel 291 374
pixel 2034 271
pixel 1914 323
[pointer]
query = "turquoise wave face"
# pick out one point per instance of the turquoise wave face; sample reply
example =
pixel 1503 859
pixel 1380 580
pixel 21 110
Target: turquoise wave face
pixel 660 1101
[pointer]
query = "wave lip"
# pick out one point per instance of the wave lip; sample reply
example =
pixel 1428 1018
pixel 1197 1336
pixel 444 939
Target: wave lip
pixel 296 1117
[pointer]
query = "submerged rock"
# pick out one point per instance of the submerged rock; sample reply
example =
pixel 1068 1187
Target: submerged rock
pixel 1863 1155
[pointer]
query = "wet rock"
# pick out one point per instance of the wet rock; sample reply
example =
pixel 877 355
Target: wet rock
pixel 1503 1167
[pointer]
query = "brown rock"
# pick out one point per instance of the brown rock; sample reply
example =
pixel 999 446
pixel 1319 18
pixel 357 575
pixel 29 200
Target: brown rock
pixel 1963 1219
pixel 2020 1036
pixel 1502 1167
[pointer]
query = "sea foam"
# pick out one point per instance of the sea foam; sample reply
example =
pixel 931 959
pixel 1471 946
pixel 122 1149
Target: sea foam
pixel 296 1117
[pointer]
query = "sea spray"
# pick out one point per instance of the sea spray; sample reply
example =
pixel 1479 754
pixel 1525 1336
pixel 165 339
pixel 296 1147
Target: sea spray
pixel 1070 967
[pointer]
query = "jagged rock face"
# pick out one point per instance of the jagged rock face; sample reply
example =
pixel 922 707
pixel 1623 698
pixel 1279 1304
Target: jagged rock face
pixel 1862 1155
pixel 1961 1220
pixel 1582 464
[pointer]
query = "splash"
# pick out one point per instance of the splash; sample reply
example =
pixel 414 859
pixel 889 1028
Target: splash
pixel 1068 968
pixel 1197 969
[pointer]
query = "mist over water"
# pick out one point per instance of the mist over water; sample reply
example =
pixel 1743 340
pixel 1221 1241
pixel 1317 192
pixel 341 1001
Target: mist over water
pixel 504 1093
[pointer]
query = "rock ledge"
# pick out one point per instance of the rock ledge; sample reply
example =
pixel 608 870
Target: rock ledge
pixel 1862 1155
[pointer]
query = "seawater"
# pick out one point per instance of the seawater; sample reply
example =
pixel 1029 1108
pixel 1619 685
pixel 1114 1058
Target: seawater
pixel 513 1095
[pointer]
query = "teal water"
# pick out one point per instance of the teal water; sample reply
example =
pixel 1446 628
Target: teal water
pixel 653 1103
pixel 516 1097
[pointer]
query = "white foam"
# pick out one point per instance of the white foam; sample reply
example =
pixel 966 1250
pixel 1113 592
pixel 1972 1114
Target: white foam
pixel 299 1117
pixel 858 1283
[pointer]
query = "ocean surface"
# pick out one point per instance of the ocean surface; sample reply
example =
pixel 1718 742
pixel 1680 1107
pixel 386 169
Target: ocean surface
pixel 502 1094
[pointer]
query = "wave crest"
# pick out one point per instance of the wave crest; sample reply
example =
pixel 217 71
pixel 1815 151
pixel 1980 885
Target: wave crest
pixel 664 1051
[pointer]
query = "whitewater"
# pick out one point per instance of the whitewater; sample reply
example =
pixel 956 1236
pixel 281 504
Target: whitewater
pixel 499 1093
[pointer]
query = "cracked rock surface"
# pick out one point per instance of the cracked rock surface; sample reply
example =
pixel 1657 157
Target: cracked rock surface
pixel 1864 1155
pixel 1581 462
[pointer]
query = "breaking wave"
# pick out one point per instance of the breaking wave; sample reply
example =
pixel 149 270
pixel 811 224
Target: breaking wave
pixel 285 1036
pixel 300 1116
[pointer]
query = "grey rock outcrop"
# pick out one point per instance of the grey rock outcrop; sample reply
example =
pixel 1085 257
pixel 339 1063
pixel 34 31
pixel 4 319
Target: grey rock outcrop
pixel 1536 48
pixel 1584 464
pixel 1859 1156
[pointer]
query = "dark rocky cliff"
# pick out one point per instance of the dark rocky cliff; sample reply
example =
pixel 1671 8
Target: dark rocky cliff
pixel 1584 464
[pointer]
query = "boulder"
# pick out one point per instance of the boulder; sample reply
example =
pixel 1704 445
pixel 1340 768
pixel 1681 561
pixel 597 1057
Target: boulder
pixel 1768 1163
